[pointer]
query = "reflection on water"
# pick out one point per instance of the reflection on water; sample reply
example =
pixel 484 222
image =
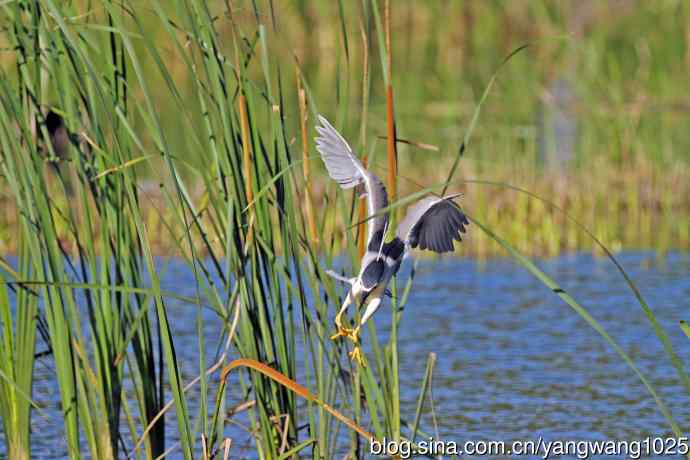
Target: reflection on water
pixel 514 361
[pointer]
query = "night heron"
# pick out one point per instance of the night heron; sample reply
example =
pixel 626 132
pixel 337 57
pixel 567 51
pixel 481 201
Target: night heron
pixel 432 223
pixel 60 138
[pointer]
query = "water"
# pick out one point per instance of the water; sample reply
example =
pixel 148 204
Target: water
pixel 514 361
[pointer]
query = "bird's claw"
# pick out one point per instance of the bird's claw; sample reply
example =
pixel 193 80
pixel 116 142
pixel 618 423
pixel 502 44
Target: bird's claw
pixel 342 332
pixel 357 356
pixel 352 334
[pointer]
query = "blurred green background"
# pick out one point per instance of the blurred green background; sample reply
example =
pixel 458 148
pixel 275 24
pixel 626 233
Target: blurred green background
pixel 592 114
pixel 624 65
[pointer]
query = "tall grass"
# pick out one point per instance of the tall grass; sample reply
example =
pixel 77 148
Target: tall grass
pixel 200 100
pixel 89 245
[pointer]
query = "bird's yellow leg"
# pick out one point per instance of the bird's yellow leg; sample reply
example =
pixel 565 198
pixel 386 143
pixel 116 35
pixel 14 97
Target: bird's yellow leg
pixel 353 334
pixel 357 356
pixel 356 353
pixel 341 331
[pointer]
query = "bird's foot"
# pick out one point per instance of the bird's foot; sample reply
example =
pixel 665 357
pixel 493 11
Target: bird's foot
pixel 357 356
pixel 354 335
pixel 341 331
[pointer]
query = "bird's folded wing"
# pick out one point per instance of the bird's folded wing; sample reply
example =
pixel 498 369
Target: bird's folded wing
pixel 433 223
pixel 372 274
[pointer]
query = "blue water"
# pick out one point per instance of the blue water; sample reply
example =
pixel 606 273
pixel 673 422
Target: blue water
pixel 513 360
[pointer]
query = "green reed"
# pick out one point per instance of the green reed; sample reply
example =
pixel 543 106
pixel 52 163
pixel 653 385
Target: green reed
pixel 200 100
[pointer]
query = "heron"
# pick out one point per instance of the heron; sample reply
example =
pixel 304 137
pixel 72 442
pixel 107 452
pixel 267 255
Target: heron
pixel 433 223
pixel 60 137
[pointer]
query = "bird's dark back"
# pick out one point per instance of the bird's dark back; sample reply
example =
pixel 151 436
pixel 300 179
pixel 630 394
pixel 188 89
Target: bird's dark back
pixel 394 248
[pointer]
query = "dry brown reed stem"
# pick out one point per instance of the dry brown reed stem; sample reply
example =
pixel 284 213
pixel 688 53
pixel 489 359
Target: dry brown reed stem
pixel 203 447
pixel 227 444
pixel 362 217
pixel 392 152
pixel 295 388
pixel 169 451
pixel 247 159
pixel 303 116
pixel 246 151
pixel 362 241
pixel 419 145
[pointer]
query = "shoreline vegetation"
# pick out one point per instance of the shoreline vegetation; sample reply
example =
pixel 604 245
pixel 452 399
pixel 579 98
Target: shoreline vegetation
pixel 587 114
pixel 638 206
pixel 190 131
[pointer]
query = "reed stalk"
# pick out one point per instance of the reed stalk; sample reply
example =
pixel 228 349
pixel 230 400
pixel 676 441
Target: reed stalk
pixel 391 143
pixel 362 212
pixel 306 169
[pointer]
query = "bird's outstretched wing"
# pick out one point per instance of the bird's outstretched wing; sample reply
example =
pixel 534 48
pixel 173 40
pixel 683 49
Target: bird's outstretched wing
pixel 348 171
pixel 433 223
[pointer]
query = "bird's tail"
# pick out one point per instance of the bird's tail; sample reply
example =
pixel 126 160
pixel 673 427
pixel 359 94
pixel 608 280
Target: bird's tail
pixel 340 278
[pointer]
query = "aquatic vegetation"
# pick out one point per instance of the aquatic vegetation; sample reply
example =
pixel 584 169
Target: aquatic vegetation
pixel 189 128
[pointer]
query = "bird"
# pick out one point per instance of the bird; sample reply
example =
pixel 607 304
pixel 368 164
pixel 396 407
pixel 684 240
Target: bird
pixel 60 138
pixel 433 223
pixel 56 150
